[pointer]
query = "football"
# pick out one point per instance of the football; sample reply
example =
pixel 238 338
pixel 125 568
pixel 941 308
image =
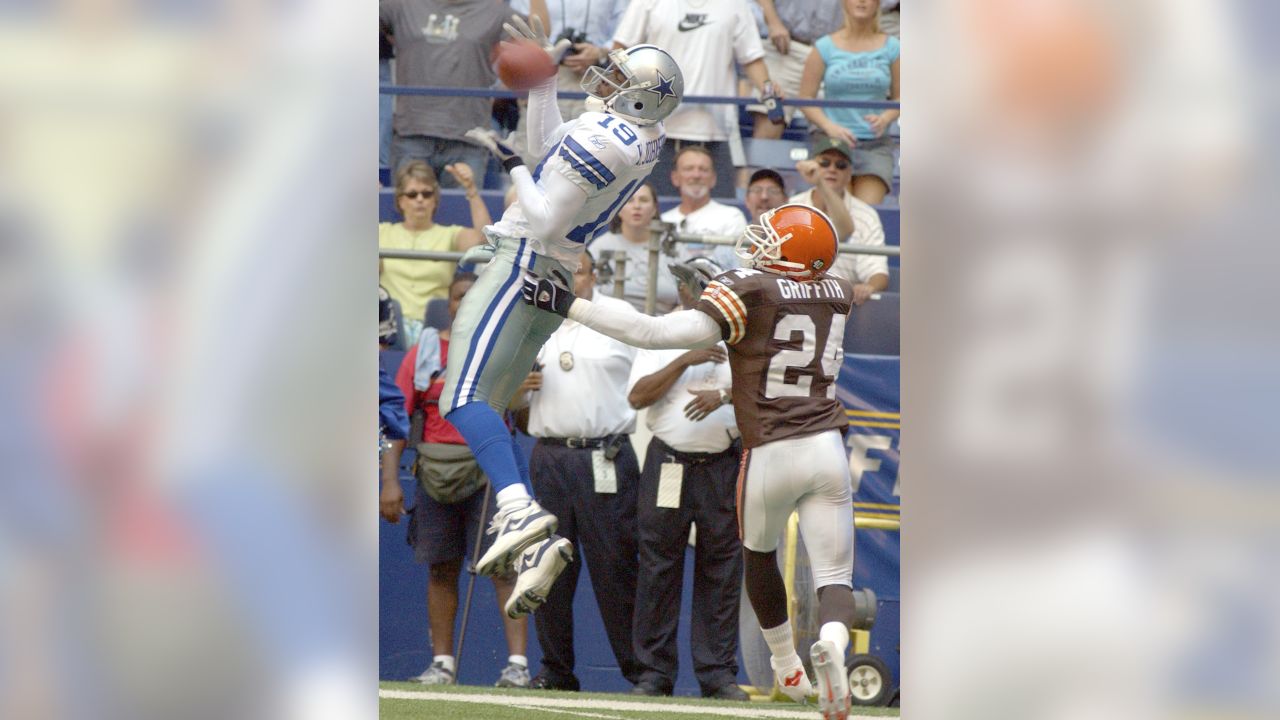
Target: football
pixel 522 64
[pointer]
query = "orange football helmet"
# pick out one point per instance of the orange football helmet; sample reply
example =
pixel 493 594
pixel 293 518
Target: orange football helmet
pixel 794 240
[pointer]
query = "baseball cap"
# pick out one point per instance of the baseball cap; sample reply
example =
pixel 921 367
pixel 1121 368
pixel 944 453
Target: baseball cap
pixel 766 173
pixel 830 143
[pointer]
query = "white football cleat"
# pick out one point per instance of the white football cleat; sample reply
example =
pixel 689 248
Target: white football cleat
pixel 791 679
pixel 516 529
pixel 833 684
pixel 539 567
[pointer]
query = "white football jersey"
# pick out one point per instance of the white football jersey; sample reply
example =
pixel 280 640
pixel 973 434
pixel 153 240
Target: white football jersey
pixel 605 155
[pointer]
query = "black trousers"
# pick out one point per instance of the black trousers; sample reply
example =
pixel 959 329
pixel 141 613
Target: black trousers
pixel 602 527
pixel 706 498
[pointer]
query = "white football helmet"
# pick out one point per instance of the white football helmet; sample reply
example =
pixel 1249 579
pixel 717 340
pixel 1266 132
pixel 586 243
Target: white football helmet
pixel 642 84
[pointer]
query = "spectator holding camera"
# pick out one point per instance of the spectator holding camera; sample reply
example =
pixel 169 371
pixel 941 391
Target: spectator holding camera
pixel 706 38
pixel 588 25
pixel 790 29
pixel 857 62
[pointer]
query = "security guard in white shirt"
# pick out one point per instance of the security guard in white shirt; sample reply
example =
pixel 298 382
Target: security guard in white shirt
pixel 689 476
pixel 584 470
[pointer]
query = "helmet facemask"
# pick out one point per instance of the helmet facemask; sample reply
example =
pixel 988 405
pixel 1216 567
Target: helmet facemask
pixel 763 249
pixel 619 91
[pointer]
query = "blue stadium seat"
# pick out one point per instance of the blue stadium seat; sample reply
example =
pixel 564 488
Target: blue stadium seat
pixel 874 327
pixel 454 208
pixel 398 315
pixel 777 154
pixel 389 361
pixel 437 315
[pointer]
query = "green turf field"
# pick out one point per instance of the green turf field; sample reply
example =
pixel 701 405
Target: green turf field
pixel 410 701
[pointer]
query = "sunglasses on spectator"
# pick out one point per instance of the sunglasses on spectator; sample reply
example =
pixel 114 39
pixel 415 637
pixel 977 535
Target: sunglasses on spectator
pixel 426 194
pixel 840 164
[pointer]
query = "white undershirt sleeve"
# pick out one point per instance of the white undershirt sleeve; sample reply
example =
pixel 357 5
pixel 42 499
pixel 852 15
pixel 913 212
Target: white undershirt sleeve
pixel 548 212
pixel 543 114
pixel 683 329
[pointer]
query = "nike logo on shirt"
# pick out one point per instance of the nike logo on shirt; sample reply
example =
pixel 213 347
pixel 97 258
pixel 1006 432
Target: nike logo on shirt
pixel 692 22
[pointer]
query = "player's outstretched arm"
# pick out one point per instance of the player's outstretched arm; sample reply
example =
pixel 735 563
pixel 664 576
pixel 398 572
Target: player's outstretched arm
pixel 543 111
pixel 548 209
pixel 544 116
pixel 683 329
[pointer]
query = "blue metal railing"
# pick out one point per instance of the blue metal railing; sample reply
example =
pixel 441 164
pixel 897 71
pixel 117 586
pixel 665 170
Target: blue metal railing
pixel 696 99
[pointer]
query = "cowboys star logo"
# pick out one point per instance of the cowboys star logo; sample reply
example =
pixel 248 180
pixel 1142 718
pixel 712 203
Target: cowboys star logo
pixel 663 88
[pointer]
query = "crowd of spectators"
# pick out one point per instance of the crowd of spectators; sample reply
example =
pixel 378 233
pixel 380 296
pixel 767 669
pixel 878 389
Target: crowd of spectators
pixel 584 468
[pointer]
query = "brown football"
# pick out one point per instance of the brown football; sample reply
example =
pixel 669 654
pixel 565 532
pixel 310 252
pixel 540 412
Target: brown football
pixel 522 64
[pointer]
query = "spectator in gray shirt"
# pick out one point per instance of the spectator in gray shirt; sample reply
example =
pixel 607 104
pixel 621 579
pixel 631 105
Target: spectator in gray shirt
pixel 443 43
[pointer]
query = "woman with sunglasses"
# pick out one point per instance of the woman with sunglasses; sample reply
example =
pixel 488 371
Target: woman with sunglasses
pixel 857 62
pixel 414 282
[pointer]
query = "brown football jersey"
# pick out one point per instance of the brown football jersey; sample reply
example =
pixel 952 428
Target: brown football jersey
pixel 785 341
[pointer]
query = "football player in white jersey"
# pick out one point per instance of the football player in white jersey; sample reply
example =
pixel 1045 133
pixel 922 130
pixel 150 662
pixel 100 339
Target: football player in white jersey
pixel 590 167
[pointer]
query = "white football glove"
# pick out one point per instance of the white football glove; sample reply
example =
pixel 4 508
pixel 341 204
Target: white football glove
pixel 500 147
pixel 518 29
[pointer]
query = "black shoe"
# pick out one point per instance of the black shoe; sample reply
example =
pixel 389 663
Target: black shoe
pixel 651 688
pixel 542 681
pixel 729 692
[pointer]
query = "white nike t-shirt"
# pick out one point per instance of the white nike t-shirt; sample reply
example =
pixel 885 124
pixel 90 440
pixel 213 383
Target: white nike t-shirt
pixel 706 38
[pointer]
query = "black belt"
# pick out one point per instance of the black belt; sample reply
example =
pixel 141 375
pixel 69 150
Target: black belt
pixel 579 442
pixel 697 458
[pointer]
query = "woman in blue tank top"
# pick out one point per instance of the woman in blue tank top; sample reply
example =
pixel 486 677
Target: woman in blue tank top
pixel 857 62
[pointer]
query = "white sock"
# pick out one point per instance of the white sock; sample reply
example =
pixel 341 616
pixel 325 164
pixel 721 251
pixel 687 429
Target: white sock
pixel 837 633
pixel 520 660
pixel 781 642
pixel 514 494
pixel 446 660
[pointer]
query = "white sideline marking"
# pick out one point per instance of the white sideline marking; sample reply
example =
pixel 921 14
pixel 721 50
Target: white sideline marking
pixel 532 703
pixel 568 712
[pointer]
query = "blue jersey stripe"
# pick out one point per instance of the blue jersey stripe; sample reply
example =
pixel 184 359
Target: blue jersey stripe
pixel 586 173
pixel 537 171
pixel 589 231
pixel 588 158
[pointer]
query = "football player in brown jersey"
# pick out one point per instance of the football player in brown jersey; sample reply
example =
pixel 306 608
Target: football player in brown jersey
pixel 783 319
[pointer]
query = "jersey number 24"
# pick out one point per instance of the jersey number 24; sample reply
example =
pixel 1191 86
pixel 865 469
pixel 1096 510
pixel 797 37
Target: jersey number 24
pixel 802 358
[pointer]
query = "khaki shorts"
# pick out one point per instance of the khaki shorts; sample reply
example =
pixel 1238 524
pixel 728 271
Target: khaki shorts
pixel 785 72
